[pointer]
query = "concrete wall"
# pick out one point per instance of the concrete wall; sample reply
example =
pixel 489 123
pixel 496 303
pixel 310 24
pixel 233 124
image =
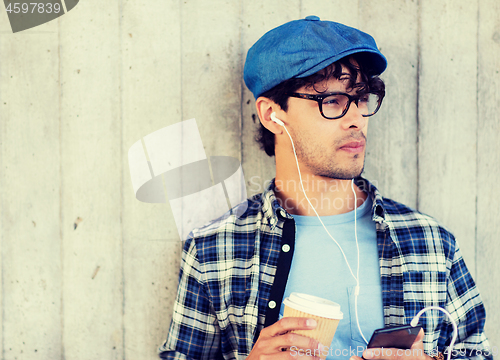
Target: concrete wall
pixel 89 272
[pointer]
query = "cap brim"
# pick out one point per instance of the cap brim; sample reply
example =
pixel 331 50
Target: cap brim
pixel 374 63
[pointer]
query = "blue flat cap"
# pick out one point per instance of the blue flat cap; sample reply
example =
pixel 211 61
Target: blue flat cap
pixel 300 48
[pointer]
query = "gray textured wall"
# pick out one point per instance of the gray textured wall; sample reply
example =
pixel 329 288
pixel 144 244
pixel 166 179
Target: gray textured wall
pixel 77 92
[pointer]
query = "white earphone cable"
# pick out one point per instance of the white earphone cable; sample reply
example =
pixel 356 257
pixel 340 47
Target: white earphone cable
pixel 414 322
pixel 356 278
pixel 303 190
pixel 356 291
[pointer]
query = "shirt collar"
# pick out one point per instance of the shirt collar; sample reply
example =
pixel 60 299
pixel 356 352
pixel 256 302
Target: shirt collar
pixel 272 208
pixel 378 210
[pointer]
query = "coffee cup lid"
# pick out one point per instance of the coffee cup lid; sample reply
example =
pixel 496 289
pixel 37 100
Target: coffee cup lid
pixel 314 305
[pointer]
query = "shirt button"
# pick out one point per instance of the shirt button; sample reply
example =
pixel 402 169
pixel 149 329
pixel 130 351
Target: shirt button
pixel 285 248
pixel 272 304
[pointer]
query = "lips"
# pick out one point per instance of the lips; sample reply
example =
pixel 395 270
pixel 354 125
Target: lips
pixel 354 146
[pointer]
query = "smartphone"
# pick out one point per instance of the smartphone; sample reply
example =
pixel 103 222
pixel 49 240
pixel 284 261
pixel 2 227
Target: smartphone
pixel 399 336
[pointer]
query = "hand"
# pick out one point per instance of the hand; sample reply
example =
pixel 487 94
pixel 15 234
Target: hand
pixel 415 353
pixel 275 341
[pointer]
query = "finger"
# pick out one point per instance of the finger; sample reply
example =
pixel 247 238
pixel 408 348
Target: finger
pixel 417 347
pixel 307 350
pixel 392 353
pixel 289 355
pixel 288 324
pixel 419 340
pixel 298 344
pixel 355 358
pixel 268 351
pixel 382 353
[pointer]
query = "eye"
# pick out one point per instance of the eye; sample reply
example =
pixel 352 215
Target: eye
pixel 364 98
pixel 335 100
pixel 331 101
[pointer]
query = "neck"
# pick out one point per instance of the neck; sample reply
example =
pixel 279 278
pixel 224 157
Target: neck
pixel 328 196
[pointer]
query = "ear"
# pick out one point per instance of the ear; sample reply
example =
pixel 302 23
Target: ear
pixel 265 107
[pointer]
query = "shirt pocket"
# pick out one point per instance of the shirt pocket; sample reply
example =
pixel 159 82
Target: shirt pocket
pixel 370 311
pixel 422 289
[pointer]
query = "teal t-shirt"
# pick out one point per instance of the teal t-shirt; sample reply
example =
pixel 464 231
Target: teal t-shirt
pixel 318 268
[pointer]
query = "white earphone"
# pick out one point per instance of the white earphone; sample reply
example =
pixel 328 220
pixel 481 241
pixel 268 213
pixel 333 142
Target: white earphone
pixel 276 120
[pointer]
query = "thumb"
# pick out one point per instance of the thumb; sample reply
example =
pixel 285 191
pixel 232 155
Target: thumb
pixel 419 340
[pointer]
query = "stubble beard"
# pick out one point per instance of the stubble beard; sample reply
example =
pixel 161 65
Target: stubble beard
pixel 321 164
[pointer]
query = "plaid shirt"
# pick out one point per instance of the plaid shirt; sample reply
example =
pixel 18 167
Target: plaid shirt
pixel 234 271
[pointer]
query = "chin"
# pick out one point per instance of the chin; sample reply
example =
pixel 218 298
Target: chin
pixel 343 174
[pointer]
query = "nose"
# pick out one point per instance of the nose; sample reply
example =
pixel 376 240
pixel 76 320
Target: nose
pixel 353 118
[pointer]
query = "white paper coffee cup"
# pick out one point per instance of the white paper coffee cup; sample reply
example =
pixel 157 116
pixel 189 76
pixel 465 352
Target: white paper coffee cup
pixel 326 313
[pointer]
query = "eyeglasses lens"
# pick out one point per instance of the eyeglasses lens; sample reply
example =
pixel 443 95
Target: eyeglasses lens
pixel 335 105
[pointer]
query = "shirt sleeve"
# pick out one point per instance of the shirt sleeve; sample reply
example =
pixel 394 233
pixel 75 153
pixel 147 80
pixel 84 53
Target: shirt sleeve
pixel 464 303
pixel 194 332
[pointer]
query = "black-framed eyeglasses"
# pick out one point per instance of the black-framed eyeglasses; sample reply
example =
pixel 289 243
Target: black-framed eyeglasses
pixel 335 105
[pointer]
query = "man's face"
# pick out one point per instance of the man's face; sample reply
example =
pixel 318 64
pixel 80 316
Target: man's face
pixel 328 148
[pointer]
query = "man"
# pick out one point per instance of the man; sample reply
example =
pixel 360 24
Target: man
pixel 320 228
